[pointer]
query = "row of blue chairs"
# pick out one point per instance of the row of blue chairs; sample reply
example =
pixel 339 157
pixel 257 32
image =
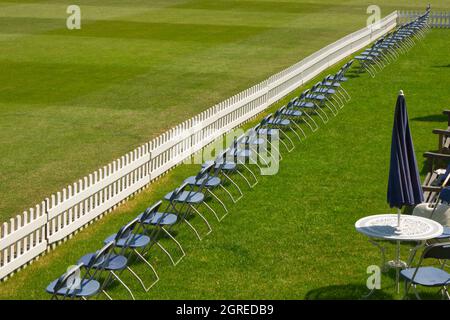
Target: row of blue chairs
pixel 95 272
pixel 387 49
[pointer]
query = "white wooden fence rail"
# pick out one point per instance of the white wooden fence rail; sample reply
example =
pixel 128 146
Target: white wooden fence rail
pixel 37 230
pixel 436 20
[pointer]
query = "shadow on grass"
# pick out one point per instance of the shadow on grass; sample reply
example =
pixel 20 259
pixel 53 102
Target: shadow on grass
pixel 443 66
pixel 346 292
pixel 432 118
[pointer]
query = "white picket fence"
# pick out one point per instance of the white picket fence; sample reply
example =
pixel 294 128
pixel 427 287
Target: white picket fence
pixel 436 20
pixel 32 233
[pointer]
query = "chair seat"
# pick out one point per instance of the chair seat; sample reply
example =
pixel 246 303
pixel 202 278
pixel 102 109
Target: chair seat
pixel 115 262
pixel 210 182
pixel 332 84
pixel 342 79
pixel 88 288
pixel 371 53
pixel 326 90
pixel 315 96
pixel 304 104
pixel 279 122
pixel 256 141
pixel 160 218
pixel 427 276
pixel 241 153
pixel 187 196
pixel 269 132
pixel 227 166
pixel 363 58
pixel 138 241
pixel 292 113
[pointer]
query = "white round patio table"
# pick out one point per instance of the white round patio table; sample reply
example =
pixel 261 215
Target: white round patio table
pixel 385 227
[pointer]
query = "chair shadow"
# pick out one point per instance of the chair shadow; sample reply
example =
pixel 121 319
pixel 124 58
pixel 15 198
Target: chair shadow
pixel 346 292
pixel 352 74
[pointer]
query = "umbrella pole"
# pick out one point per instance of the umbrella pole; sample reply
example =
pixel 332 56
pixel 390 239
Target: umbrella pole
pixel 397 268
pixel 398 262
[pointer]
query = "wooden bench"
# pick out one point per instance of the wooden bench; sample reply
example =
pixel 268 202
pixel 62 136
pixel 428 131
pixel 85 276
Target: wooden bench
pixel 435 161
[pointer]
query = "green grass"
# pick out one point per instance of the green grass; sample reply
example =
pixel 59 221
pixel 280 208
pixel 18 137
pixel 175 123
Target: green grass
pixel 72 101
pixel 293 235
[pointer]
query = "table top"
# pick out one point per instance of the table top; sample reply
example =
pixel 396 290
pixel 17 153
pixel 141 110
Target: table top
pixel 412 228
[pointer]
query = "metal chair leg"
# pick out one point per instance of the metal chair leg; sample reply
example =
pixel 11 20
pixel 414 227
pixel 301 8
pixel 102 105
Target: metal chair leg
pixel 218 199
pixel 120 280
pixel 203 218
pixel 151 267
pixel 177 243
pixel 237 187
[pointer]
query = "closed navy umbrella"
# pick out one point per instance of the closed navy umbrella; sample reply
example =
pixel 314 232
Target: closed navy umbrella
pixel 404 186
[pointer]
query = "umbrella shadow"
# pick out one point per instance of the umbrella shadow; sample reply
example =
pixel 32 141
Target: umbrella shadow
pixel 442 66
pixel 432 118
pixel 345 292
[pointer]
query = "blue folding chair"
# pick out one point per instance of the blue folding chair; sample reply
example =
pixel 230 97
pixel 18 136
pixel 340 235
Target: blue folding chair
pixel 302 103
pixel 131 241
pixel 66 287
pixel 186 199
pixel 227 168
pixel 110 262
pixel 210 182
pixel 321 98
pixel 82 280
pixel 429 276
pixel 159 221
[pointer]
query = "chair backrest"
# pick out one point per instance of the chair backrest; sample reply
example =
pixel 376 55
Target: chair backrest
pixel 444 195
pixel 441 179
pixel 99 258
pixel 127 233
pixel 150 211
pixel 238 140
pixel 279 112
pixel 304 93
pixel 437 251
pixel 349 64
pixel 265 120
pixel 292 101
pixel 178 191
pixel 68 281
pixel 225 156
pixel 256 128
pixel 216 168
pixel 200 177
pixel 171 207
pixel 314 88
pixel 340 74
pixel 222 157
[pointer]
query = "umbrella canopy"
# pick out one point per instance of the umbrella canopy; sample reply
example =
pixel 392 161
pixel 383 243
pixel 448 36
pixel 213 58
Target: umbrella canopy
pixel 404 186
